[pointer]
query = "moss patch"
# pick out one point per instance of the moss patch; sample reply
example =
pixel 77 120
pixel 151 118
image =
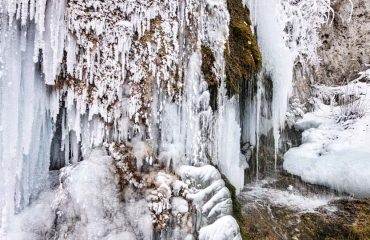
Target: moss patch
pixel 208 61
pixel 242 55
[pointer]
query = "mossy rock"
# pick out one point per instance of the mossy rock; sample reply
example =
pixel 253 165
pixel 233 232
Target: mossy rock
pixel 237 212
pixel 208 61
pixel 237 209
pixel 242 55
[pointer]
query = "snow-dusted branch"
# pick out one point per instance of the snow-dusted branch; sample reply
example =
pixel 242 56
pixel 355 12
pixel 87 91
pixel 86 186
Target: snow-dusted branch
pixel 303 19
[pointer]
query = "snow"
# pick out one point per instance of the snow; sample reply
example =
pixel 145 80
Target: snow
pixel 179 206
pixel 334 154
pixel 203 175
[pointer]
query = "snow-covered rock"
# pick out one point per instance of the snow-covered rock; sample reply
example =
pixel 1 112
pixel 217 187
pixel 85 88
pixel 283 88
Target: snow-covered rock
pixel 335 153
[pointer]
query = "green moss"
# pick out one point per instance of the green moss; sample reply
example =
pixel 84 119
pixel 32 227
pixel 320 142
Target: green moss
pixel 242 55
pixel 208 61
pixel 237 209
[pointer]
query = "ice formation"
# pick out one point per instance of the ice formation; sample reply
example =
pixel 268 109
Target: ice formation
pixel 87 202
pixel 288 32
pixel 25 124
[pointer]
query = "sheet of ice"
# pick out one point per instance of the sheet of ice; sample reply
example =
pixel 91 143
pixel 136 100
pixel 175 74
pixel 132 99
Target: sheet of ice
pixel 88 199
pixel 35 221
pixel 227 147
pixel 334 154
pixel 285 198
pixel 264 114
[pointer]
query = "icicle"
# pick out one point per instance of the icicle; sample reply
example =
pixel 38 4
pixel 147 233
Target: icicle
pixel 25 135
pixel 258 123
pixel 54 40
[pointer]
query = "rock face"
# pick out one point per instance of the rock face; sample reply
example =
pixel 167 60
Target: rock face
pixel 350 222
pixel 344 50
pixel 345 46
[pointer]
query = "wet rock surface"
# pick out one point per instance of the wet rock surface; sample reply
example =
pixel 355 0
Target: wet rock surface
pixel 286 208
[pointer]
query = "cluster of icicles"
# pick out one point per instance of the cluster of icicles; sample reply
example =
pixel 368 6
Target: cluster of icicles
pixel 76 74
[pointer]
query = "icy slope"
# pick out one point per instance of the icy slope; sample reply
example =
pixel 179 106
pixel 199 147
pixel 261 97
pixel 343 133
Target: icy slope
pixel 88 203
pixel 335 150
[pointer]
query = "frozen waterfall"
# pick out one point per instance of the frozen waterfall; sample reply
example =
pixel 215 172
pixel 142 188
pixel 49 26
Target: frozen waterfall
pixel 151 84
pixel 79 74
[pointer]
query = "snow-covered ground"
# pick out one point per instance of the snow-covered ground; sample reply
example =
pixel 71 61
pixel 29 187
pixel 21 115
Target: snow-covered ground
pixel 336 140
